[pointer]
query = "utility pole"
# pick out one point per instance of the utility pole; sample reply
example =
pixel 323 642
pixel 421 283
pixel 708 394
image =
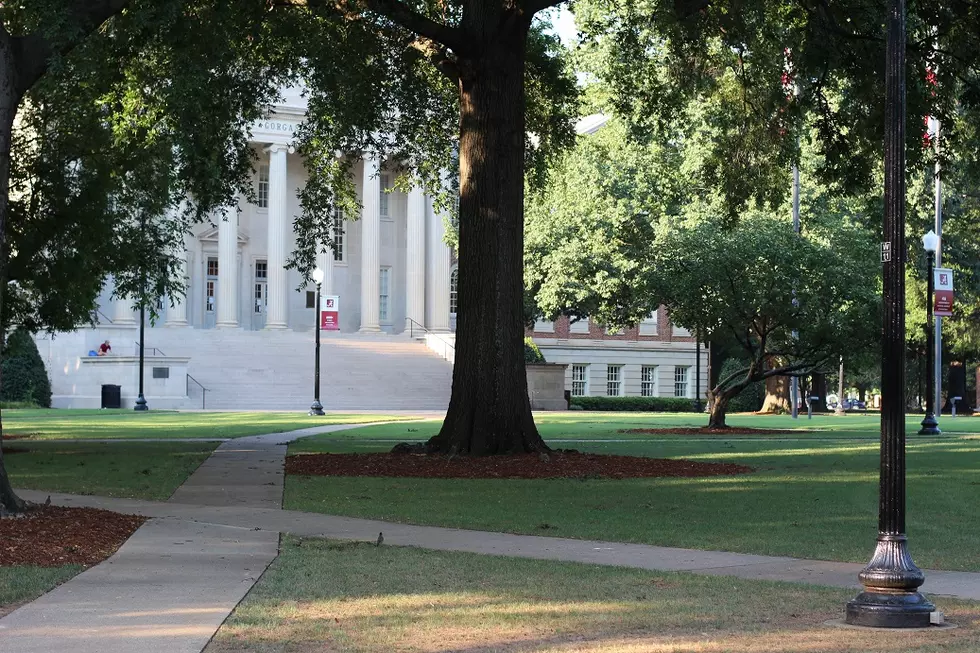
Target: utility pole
pixel 937 371
pixel 794 387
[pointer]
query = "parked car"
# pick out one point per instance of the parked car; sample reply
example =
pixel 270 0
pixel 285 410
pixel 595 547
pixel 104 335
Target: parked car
pixel 854 404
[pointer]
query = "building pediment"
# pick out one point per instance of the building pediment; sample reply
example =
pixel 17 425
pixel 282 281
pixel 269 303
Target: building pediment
pixel 210 235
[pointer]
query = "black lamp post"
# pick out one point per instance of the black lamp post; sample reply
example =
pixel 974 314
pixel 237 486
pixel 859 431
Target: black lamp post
pixel 141 400
pixel 930 425
pixel 317 407
pixel 891 580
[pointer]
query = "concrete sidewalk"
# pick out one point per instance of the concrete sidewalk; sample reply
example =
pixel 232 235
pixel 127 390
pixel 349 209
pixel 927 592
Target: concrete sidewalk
pixel 958 584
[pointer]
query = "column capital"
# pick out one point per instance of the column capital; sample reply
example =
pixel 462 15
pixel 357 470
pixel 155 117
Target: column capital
pixel 275 148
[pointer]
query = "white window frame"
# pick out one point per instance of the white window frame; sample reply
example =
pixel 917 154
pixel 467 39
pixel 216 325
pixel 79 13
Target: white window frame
pixel 649 326
pixel 682 376
pixel 580 370
pixel 614 380
pixel 339 234
pixel 384 295
pixel 384 206
pixel 648 381
pixel 262 188
pixel 454 291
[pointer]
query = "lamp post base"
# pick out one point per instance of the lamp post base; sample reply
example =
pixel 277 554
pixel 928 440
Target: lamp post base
pixel 316 408
pixel 891 581
pixel 141 404
pixel 889 609
pixel 930 426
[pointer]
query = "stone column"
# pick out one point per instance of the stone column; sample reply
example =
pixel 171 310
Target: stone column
pixel 177 314
pixel 371 245
pixel 415 258
pixel 276 318
pixel 123 313
pixel 439 271
pixel 227 317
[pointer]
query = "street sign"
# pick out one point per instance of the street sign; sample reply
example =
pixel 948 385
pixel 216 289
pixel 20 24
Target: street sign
pixel 330 313
pixel 943 292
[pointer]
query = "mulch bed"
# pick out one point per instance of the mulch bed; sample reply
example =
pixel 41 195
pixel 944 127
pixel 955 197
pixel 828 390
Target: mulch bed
pixel 704 430
pixel 51 536
pixel 558 464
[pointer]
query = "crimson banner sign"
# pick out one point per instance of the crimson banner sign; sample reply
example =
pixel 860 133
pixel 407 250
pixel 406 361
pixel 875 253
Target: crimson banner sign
pixel 944 292
pixel 330 313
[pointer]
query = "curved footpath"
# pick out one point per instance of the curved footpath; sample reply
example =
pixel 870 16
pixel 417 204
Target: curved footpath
pixel 174 582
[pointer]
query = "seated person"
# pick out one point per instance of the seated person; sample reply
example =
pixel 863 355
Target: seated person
pixel 104 348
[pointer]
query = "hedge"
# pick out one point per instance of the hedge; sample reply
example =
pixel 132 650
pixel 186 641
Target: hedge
pixel 24 378
pixel 645 404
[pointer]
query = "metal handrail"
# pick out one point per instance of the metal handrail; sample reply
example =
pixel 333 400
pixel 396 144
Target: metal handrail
pixel 411 332
pixel 156 352
pixel 204 391
pixel 97 312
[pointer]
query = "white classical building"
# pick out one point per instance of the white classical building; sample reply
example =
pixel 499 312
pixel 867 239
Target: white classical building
pixel 243 330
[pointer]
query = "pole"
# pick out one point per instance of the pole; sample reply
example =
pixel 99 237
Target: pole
pixel 697 372
pixel 840 389
pixel 891 580
pixel 317 407
pixel 937 369
pixel 141 399
pixel 794 382
pixel 929 424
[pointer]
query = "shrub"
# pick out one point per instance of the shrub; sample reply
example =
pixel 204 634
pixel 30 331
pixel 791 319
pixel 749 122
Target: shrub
pixel 24 378
pixel 645 404
pixel 531 352
pixel 748 400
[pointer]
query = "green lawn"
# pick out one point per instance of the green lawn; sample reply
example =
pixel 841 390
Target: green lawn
pixel 136 470
pixel 329 596
pixel 22 584
pixel 125 424
pixel 813 495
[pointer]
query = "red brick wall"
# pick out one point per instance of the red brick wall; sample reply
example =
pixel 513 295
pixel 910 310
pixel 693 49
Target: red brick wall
pixel 665 332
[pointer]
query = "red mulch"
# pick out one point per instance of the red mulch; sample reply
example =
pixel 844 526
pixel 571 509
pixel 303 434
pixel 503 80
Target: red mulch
pixel 51 536
pixel 558 464
pixel 11 450
pixel 704 430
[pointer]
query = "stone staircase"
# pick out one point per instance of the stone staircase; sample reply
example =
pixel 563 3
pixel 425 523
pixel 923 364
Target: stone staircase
pixel 260 370
pixel 245 370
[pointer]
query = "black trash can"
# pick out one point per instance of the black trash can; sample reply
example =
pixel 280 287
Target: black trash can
pixel 111 396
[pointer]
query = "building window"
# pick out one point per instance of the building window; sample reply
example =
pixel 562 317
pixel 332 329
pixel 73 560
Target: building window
pixel 385 195
pixel 260 298
pixel 614 380
pixel 209 297
pixel 648 381
pixel 383 285
pixel 339 226
pixel 261 270
pixel 212 267
pixel 680 382
pixel 453 291
pixel 580 380
pixel 648 327
pixel 310 299
pixel 262 188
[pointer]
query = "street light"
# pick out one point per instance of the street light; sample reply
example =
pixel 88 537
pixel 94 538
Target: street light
pixel 840 389
pixel 930 425
pixel 317 407
pixel 891 580
pixel 141 400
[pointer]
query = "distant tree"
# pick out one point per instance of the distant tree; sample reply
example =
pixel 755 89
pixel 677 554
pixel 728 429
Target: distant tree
pixel 24 376
pixel 757 283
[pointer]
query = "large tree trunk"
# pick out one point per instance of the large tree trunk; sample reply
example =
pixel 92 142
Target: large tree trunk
pixel 818 388
pixel 9 99
pixel 489 410
pixel 778 398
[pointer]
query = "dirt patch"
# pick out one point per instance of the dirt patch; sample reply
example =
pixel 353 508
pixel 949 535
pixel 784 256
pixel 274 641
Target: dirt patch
pixel 51 536
pixel 704 430
pixel 560 464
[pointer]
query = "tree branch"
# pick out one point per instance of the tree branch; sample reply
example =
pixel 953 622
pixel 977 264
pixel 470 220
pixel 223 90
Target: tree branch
pixel 532 7
pixel 438 56
pixel 451 37
pixel 33 51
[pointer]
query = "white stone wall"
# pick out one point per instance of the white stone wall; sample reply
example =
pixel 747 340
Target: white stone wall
pixel 632 356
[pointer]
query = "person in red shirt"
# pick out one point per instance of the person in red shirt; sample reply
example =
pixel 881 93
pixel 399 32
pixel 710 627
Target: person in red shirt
pixel 104 348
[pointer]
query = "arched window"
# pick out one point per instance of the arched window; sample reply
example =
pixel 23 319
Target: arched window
pixel 453 290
